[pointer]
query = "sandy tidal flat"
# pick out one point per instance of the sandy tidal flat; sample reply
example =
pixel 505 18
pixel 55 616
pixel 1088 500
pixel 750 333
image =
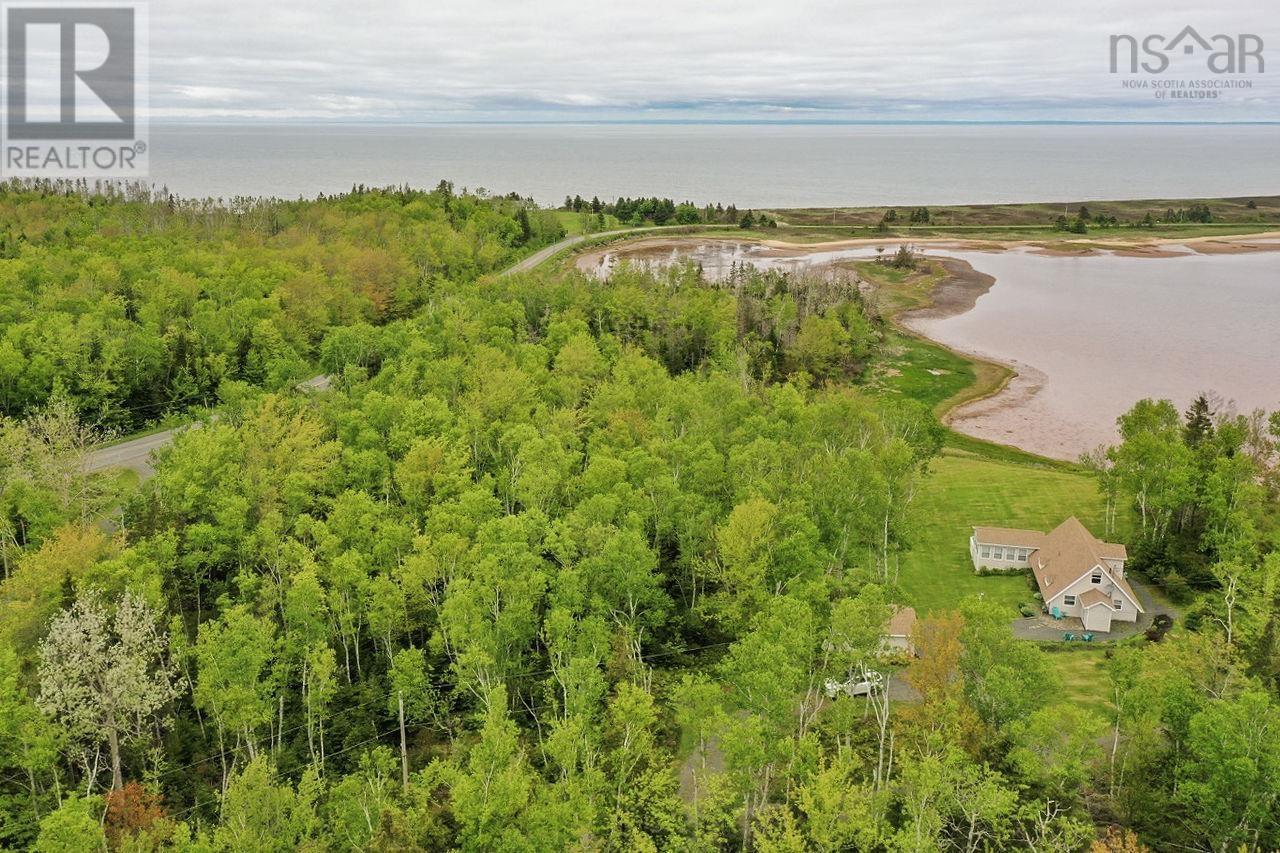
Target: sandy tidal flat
pixel 1088 333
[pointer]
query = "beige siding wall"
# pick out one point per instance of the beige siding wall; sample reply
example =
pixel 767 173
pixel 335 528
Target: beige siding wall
pixel 1126 613
pixel 999 557
pixel 900 643
pixel 1097 618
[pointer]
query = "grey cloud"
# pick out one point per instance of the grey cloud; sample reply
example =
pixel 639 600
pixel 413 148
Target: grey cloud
pixel 486 59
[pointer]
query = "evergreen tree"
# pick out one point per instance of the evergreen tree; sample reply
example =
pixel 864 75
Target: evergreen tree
pixel 1199 422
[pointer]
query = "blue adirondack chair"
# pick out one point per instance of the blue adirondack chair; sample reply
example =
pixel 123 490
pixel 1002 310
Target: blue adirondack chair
pixel 1088 638
pixel 1068 636
pixel 1057 614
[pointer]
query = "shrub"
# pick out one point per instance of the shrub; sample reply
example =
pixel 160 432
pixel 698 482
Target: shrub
pixel 1177 587
pixel 130 811
pixel 1159 627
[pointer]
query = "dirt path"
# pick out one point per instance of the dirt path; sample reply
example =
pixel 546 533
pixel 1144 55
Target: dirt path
pixel 547 253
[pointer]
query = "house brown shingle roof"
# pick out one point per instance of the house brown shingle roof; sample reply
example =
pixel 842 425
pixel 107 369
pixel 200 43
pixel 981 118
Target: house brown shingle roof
pixel 1008 536
pixel 1070 550
pixel 1112 551
pixel 902 622
pixel 1090 597
pixel 1128 590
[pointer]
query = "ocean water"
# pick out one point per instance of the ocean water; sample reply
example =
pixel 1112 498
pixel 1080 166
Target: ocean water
pixel 748 165
pixel 1091 335
pixel 1088 335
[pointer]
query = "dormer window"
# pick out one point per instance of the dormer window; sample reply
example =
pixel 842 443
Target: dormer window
pixel 1096 577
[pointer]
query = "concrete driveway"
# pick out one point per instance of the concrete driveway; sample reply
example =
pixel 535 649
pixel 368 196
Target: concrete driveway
pixel 1044 628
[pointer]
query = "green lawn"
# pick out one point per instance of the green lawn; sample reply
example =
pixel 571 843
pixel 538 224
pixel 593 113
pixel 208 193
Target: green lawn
pixel 573 222
pixel 1085 682
pixel 965 489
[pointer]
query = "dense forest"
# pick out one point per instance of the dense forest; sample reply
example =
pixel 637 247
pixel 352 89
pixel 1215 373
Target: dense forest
pixel 558 563
pixel 135 303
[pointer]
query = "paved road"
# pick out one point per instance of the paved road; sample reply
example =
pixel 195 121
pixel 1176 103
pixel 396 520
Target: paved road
pixel 542 255
pixel 136 454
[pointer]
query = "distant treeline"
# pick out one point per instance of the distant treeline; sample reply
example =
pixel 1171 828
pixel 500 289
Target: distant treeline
pixel 1080 223
pixel 664 211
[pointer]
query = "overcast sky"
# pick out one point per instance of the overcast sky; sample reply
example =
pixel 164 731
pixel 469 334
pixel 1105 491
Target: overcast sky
pixel 703 59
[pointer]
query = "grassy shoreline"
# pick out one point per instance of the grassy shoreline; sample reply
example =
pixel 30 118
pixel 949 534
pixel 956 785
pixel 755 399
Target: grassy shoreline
pixel 1029 222
pixel 1168 216
pixel 914 351
pixel 918 291
pixel 1101 237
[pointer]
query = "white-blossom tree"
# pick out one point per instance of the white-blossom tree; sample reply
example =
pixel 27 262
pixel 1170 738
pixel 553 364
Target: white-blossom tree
pixel 105 675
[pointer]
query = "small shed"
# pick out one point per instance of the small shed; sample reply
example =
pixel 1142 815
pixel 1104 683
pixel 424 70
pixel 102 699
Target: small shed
pixel 899 629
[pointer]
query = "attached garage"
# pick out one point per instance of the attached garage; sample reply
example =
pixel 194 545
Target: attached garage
pixel 1096 613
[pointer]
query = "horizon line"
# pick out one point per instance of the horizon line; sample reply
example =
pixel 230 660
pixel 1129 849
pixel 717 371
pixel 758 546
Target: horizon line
pixel 702 121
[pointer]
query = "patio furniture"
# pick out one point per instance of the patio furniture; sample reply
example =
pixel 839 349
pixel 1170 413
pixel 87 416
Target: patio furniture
pixel 1088 638
pixel 1068 636
pixel 1056 613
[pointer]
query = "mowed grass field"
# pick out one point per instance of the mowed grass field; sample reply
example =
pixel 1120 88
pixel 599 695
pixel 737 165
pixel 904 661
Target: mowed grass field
pixel 965 489
pixel 1085 681
pixel 574 223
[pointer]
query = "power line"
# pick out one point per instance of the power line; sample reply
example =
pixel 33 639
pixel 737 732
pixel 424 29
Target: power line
pixel 379 736
pixel 440 684
pixel 328 755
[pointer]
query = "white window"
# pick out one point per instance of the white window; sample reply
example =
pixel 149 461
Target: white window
pixel 1023 554
pixel 1096 577
pixel 1117 604
pixel 986 550
pixel 1069 600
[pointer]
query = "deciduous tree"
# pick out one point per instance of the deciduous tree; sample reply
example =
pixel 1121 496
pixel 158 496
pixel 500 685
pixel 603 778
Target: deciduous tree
pixel 104 675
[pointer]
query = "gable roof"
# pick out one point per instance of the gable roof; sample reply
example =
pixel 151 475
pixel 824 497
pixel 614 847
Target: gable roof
pixel 1123 586
pixel 1008 536
pixel 1112 551
pixel 901 622
pixel 1068 553
pixel 1092 597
